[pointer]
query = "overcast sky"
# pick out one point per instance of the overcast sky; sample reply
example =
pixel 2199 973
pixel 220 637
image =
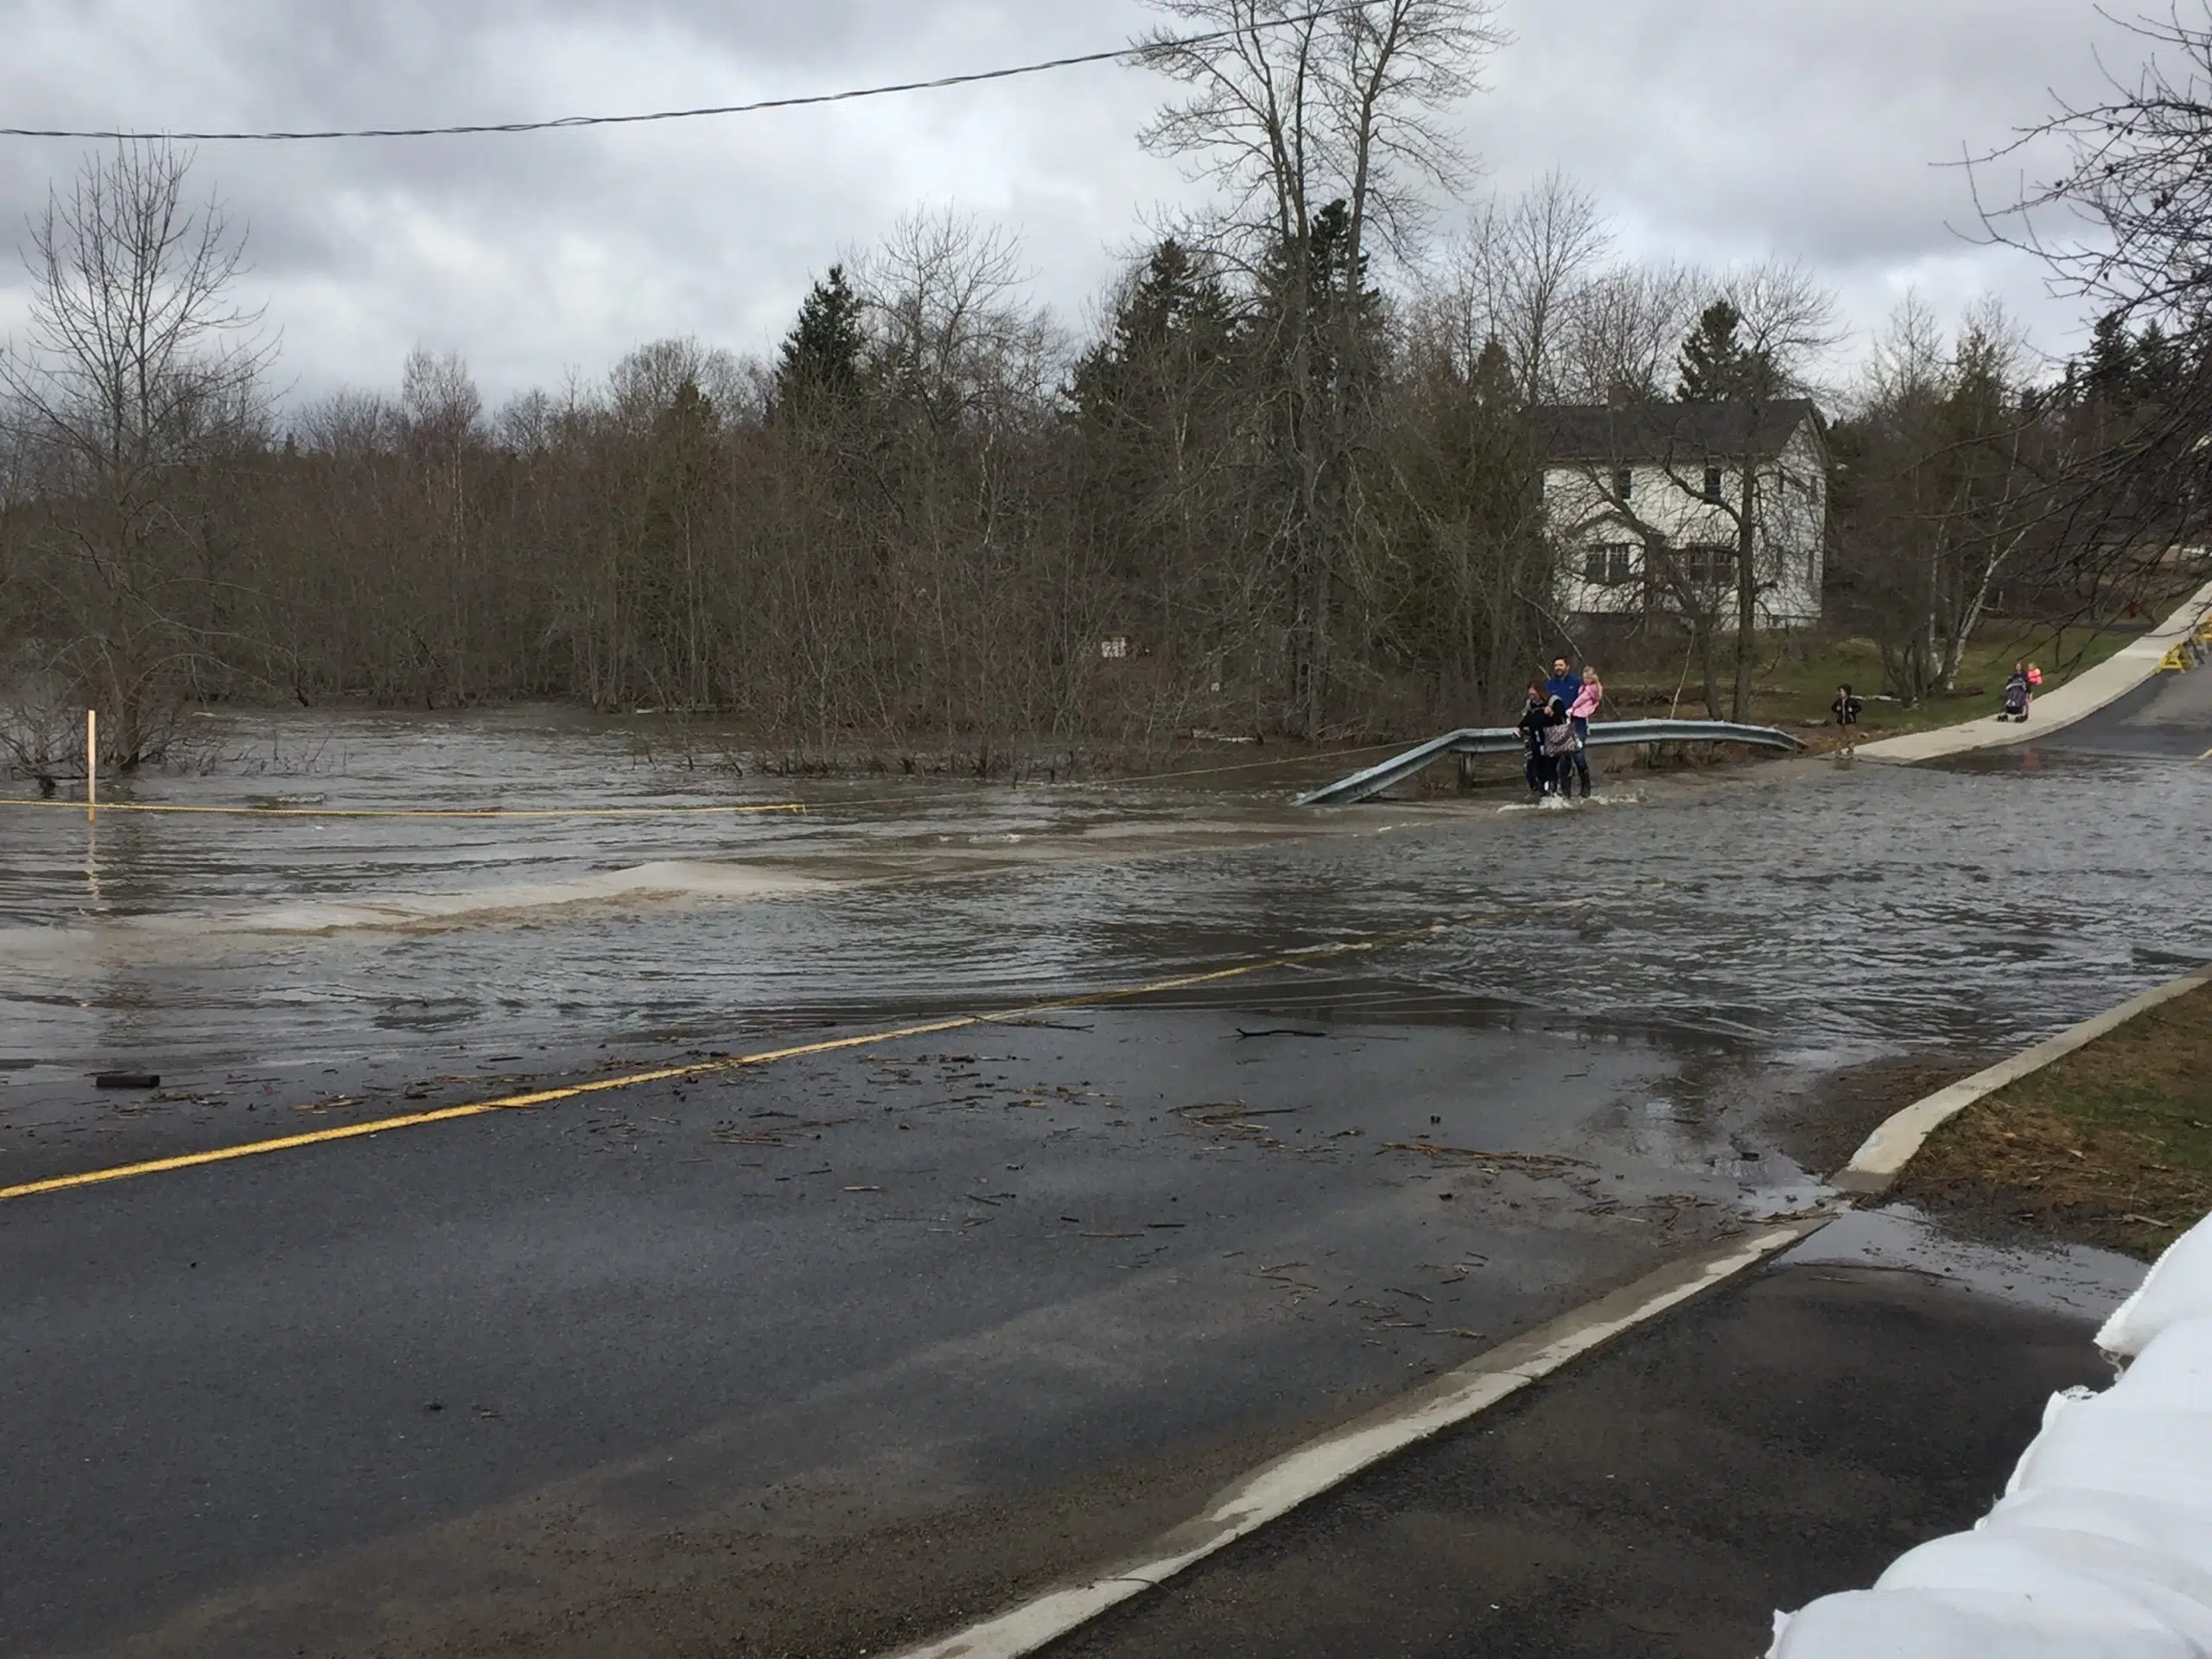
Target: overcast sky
pixel 1711 130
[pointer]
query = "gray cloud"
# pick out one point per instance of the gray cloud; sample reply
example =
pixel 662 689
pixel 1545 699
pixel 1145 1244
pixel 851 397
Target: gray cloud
pixel 1712 129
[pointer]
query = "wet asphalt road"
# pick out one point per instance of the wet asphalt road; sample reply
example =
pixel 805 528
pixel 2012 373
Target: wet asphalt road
pixel 2170 717
pixel 1785 1437
pixel 602 1367
pixel 844 1350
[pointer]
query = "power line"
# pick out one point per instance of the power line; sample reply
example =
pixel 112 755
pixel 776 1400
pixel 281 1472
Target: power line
pixel 1183 42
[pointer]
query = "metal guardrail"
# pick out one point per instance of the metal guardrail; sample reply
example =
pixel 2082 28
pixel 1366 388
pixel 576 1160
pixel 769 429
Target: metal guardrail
pixel 1506 739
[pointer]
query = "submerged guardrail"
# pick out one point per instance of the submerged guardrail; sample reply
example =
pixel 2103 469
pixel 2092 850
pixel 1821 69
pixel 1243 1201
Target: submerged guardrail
pixel 1507 740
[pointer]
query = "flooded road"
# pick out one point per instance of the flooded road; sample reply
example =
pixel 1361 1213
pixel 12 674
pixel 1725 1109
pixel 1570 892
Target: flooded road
pixel 840 1349
pixel 1856 911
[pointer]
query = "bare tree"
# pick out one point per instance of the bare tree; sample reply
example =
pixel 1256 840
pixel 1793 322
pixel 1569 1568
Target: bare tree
pixel 1293 106
pixel 1520 275
pixel 1624 330
pixel 2124 224
pixel 1324 128
pixel 1956 458
pixel 2126 220
pixel 646 381
pixel 1790 323
pixel 140 374
pixel 951 331
pixel 1724 484
pixel 1789 326
pixel 1291 494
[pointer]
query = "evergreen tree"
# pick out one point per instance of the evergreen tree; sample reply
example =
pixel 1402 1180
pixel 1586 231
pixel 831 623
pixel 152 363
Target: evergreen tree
pixel 821 357
pixel 1461 504
pixel 2114 361
pixel 1311 296
pixel 1496 386
pixel 1174 327
pixel 1717 368
pixel 2157 365
pixel 1337 284
pixel 687 429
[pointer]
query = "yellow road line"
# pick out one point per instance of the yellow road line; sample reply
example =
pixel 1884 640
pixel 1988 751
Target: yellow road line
pixel 705 1068
pixel 2207 755
pixel 412 812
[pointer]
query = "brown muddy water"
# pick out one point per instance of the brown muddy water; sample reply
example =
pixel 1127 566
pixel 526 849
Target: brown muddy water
pixel 1821 911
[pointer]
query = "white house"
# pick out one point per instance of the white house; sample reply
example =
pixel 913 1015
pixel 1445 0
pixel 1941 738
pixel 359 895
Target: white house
pixel 1647 503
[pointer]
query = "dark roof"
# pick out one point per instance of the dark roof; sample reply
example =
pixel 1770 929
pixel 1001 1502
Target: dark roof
pixel 1659 431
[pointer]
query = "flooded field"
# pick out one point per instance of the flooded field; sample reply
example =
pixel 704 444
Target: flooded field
pixel 1831 911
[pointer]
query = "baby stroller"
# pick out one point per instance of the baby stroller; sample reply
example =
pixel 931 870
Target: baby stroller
pixel 2019 696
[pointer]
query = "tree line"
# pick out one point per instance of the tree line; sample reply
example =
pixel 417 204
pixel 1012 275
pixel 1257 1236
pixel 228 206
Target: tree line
pixel 1280 491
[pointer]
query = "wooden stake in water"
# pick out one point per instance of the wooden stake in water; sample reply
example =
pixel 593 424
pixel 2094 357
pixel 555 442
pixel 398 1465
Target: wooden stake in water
pixel 92 762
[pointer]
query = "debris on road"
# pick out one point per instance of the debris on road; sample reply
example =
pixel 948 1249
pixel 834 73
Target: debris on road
pixel 1528 1163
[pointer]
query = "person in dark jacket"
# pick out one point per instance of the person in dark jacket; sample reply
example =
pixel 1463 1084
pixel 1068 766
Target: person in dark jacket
pixel 1539 770
pixel 1847 707
pixel 1562 746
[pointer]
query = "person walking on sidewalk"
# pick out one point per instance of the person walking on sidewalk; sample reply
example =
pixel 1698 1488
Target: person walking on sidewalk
pixel 2019 696
pixel 1579 711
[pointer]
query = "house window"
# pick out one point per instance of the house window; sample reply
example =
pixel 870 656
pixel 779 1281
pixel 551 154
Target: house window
pixel 1713 483
pixel 1624 483
pixel 1610 566
pixel 1708 568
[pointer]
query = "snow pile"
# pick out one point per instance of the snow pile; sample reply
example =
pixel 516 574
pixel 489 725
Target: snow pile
pixel 2178 1290
pixel 2102 1545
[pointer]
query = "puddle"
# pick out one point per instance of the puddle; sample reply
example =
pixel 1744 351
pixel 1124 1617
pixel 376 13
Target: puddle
pixel 2074 1279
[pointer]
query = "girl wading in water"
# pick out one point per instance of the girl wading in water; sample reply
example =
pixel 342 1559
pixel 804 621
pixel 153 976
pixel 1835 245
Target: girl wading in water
pixel 1579 711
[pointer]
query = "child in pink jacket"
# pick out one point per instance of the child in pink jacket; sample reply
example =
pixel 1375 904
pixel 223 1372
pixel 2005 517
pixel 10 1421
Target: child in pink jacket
pixel 1585 704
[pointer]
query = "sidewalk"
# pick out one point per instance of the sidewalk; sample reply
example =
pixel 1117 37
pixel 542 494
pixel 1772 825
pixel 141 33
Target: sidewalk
pixel 1791 1433
pixel 2079 698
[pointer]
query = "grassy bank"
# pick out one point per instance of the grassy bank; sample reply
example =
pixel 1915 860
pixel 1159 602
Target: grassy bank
pixel 1798 676
pixel 2112 1146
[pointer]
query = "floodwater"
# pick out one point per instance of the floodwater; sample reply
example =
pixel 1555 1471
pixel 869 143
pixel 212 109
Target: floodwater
pixel 1819 911
pixel 753 1329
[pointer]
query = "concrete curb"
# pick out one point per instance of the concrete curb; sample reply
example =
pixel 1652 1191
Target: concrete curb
pixel 1311 1470
pixel 1279 1487
pixel 1875 1166
pixel 2080 697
